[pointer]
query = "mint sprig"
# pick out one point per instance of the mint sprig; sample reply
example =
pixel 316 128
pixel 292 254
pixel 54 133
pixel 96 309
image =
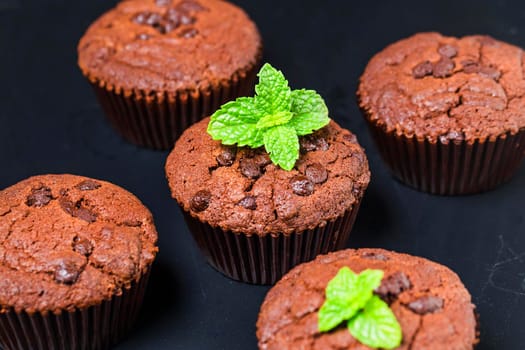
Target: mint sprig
pixel 349 297
pixel 274 118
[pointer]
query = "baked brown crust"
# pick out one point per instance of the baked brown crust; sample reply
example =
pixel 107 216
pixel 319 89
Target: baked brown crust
pixel 205 43
pixel 240 190
pixel 70 242
pixel 446 88
pixel 430 302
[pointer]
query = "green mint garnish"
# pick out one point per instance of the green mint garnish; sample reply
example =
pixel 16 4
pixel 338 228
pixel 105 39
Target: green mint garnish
pixel 274 118
pixel 349 297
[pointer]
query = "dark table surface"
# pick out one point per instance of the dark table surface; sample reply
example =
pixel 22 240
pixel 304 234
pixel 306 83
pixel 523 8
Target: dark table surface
pixel 51 123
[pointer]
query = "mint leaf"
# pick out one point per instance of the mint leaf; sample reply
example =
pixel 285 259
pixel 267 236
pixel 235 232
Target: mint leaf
pixel 350 297
pixel 274 117
pixel 376 326
pixel 270 120
pixel 236 123
pixel 282 143
pixel 332 313
pixel 273 92
pixel 310 111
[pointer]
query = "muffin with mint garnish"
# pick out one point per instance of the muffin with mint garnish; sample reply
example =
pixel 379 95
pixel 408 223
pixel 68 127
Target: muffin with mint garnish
pixel 268 181
pixel 368 299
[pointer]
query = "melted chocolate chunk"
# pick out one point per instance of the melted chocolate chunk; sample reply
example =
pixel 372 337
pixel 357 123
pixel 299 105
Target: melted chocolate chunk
pixel 490 72
pixel 188 33
pixel 250 168
pixel 392 286
pixel 301 186
pixel 248 202
pixel 88 185
pixel 77 210
pixel 311 143
pixel 470 67
pixel 82 245
pixel 426 305
pixel 39 197
pixel 316 173
pixel 262 159
pixel 422 70
pixel 448 51
pixel 200 201
pixel 66 272
pixel 350 138
pixel 227 156
pixel 443 68
pixel 375 256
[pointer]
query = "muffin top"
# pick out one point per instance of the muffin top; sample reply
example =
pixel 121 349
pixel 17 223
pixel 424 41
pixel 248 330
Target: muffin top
pixel 68 241
pixel 240 190
pixel 431 304
pixel 446 88
pixel 166 45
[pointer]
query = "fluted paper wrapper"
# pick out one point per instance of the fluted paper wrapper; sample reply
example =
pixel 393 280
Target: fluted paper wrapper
pixel 156 119
pixel 265 259
pixel 96 327
pixel 453 168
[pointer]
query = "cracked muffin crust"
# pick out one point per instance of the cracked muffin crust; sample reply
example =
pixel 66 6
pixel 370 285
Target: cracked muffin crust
pixel 431 304
pixel 69 242
pixel 447 114
pixel 158 66
pixel 167 45
pixel 242 191
pixel 446 88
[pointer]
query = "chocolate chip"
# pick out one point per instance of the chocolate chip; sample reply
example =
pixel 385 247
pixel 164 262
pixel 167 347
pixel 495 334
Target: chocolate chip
pixel 470 67
pixel 39 197
pixel 143 36
pixel 422 70
pixel 301 186
pixel 88 185
pixel 227 156
pixel 316 173
pixel 200 201
pixel 375 256
pixel 77 210
pixel 168 27
pixel 426 304
pixel 188 33
pixel 190 6
pixel 248 202
pixel 162 2
pixel 82 245
pixel 140 18
pixel 443 68
pixel 490 72
pixel 154 19
pixel 311 143
pixel 178 17
pixel 448 51
pixel 392 286
pixel 250 168
pixel 85 214
pixel 66 272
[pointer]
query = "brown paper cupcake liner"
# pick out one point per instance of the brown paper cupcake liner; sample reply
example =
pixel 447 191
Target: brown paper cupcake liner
pixel 265 259
pixel 452 168
pixel 96 327
pixel 155 120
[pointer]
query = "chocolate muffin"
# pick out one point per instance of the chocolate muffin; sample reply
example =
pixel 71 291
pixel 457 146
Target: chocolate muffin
pixel 158 66
pixel 254 220
pixel 75 259
pixel 447 113
pixel 429 301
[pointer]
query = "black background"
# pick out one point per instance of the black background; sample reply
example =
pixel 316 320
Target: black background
pixel 51 123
